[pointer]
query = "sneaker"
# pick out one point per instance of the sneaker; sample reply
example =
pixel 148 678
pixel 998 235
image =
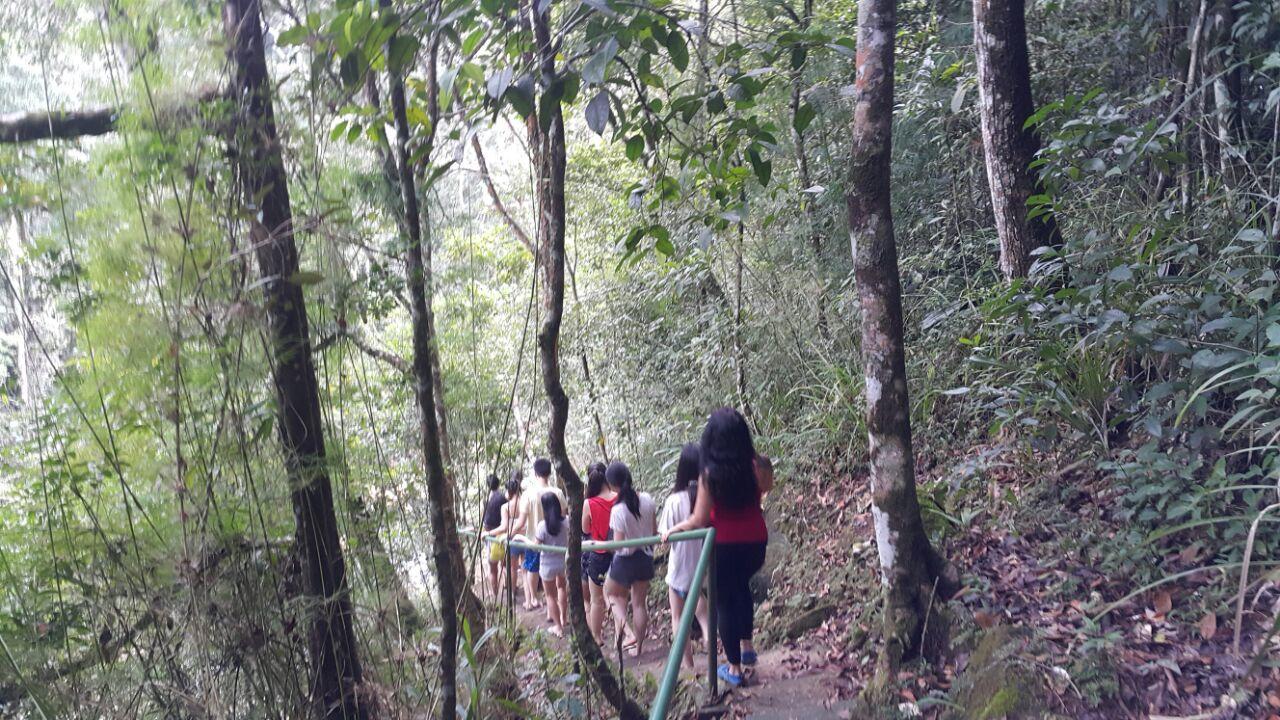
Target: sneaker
pixel 726 674
pixel 748 657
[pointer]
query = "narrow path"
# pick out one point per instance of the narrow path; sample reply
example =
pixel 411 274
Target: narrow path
pixel 789 682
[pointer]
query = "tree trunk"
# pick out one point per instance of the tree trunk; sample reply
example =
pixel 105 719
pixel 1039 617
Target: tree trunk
pixel 1187 128
pixel 911 571
pixel 548 148
pixel 808 201
pixel 1004 85
pixel 451 574
pixel 335 674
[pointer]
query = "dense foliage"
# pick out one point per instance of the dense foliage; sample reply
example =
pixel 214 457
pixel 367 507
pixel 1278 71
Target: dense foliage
pixel 146 534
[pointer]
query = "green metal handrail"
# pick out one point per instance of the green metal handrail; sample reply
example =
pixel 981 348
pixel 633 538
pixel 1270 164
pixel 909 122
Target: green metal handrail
pixel 706 560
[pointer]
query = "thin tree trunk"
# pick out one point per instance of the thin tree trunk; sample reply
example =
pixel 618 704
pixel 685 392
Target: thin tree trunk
pixel 1187 128
pixel 1004 85
pixel 1224 77
pixel 335 673
pixel 451 574
pixel 911 570
pixel 808 201
pixel 22 304
pixel 548 148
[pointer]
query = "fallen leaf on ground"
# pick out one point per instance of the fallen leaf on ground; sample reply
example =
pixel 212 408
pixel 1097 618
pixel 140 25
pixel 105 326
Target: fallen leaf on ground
pixel 1208 626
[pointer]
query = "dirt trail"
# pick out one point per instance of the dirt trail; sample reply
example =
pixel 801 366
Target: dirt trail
pixel 789 681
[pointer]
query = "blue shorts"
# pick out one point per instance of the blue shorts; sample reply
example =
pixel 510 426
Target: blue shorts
pixel 682 594
pixel 532 560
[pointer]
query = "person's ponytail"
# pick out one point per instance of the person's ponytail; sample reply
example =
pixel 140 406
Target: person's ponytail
pixel 619 477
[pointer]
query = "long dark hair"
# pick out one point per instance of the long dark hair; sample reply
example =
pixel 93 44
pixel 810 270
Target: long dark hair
pixel 595 479
pixel 727 455
pixel 513 484
pixel 687 470
pixel 619 477
pixel 551 514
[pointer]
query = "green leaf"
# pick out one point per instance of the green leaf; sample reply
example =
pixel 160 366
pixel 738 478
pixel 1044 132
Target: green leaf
pixel 296 35
pixel 352 68
pixel 472 41
pixel 798 55
pixel 635 147
pixel 572 82
pixel 593 73
pixel 804 115
pixel 597 112
pixel 846 46
pixel 472 72
pixel 520 96
pixel 400 52
pixel 678 50
pixel 763 168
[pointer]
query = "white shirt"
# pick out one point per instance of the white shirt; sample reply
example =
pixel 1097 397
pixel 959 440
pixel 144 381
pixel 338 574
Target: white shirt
pixel 684 553
pixel 531 505
pixel 622 521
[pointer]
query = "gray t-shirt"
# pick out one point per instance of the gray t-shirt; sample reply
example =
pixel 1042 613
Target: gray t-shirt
pixel 629 527
pixel 551 563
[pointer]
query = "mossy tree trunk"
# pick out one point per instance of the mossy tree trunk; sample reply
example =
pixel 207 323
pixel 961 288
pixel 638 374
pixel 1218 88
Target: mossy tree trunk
pixel 548 149
pixel 335 673
pixel 911 570
pixel 1004 87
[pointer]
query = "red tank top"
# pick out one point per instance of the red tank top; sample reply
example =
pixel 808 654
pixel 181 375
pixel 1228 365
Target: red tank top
pixel 739 525
pixel 600 510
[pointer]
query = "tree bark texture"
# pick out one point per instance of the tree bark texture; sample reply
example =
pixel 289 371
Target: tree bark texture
pixel 451 574
pixel 1004 86
pixel 335 673
pixel 909 565
pixel 548 148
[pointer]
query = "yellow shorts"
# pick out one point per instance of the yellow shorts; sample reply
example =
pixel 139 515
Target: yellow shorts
pixel 497 551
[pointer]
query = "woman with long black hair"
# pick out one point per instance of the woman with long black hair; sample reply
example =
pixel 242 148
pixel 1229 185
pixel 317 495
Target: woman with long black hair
pixel 683 559
pixel 734 479
pixel 633 516
pixel 554 531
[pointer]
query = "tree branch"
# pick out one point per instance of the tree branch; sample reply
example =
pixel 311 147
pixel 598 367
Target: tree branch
pixel 385 356
pixel 512 223
pixel 71 124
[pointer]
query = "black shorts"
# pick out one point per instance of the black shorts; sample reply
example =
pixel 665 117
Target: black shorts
pixel 595 566
pixel 633 568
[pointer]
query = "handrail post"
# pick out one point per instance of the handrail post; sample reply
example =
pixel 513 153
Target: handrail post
pixel 713 630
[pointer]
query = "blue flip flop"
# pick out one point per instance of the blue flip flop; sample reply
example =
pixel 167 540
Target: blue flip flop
pixel 726 674
pixel 748 657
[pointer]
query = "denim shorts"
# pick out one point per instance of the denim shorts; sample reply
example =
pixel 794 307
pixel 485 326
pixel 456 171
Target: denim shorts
pixel 633 568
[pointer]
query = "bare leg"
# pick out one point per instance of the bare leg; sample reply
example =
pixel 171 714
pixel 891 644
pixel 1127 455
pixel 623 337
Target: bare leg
pixel 640 613
pixel 595 618
pixel 554 604
pixel 677 608
pixel 617 597
pixel 700 613
pixel 531 590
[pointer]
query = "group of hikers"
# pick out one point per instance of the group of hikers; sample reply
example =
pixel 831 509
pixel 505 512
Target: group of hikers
pixel 719 482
